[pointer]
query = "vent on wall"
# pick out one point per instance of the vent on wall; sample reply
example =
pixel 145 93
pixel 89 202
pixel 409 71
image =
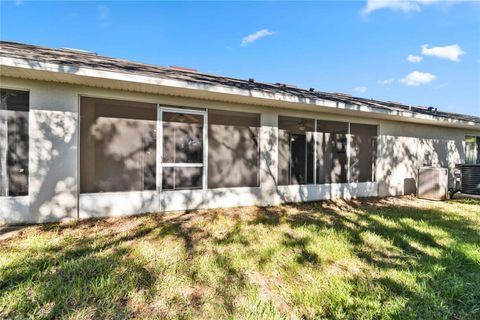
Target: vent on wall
pixel 432 183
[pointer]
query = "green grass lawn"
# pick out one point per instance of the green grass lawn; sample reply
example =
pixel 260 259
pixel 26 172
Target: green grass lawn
pixel 371 259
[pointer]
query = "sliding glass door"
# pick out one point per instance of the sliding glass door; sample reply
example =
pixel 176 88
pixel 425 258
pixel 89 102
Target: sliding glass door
pixel 183 151
pixel 295 150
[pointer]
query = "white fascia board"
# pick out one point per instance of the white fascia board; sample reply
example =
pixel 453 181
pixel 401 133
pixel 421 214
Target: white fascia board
pixel 257 97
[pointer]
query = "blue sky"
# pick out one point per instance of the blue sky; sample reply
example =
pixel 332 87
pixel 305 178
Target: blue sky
pixel 356 47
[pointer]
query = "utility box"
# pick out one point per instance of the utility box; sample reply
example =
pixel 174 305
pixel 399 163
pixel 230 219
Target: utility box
pixel 432 183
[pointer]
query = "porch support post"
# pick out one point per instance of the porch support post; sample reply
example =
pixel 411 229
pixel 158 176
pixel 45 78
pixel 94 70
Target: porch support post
pixel 269 158
pixel 3 149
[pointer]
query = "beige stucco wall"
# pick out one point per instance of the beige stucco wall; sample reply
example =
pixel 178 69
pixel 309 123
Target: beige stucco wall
pixel 52 155
pixel 404 147
pixel 54 173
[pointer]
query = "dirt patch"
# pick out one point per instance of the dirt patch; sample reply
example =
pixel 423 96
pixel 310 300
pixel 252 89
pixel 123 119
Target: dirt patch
pixel 13 232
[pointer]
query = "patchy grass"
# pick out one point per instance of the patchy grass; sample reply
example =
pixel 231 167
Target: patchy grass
pixel 370 259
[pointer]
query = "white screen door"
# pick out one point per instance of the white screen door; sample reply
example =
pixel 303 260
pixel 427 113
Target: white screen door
pixel 182 156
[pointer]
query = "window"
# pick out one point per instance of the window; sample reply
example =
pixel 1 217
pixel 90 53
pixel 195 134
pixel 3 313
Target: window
pixel 363 146
pixel 14 108
pixel 472 149
pixel 332 158
pixel 233 149
pixel 117 145
pixel 182 155
pixel 295 150
pixel 345 152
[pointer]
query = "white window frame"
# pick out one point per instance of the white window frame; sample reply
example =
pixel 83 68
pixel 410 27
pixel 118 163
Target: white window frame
pixel 348 136
pixel 306 152
pixel 476 160
pixel 5 154
pixel 160 164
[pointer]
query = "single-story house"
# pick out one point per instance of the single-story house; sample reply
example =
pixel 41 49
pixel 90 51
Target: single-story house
pixel 83 135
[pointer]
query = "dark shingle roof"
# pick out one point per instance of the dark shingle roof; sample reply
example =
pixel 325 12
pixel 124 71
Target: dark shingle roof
pixel 91 60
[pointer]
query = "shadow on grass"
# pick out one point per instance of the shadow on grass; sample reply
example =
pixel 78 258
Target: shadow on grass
pixel 450 279
pixel 57 282
pixel 100 274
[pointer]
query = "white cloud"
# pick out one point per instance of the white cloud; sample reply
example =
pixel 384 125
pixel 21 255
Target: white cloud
pixel 255 36
pixel 386 81
pixel 417 78
pixel 414 59
pixel 403 5
pixel 400 5
pixel 451 52
pixel 360 89
pixel 103 12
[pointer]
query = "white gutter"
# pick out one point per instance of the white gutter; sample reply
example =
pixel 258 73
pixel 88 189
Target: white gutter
pixel 217 92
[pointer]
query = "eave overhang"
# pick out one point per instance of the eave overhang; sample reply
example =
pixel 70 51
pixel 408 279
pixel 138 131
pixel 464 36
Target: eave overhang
pixel 71 74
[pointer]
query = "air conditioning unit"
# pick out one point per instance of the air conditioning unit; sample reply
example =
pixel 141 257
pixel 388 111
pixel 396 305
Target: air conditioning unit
pixel 470 177
pixel 432 183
